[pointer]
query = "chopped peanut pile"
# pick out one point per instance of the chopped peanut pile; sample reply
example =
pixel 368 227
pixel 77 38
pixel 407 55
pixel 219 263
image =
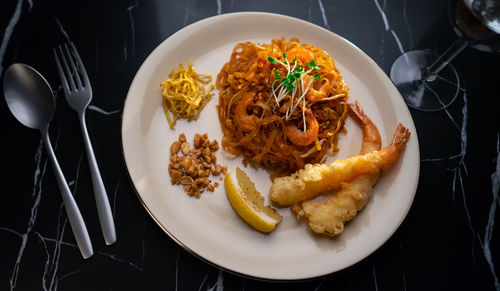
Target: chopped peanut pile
pixel 192 168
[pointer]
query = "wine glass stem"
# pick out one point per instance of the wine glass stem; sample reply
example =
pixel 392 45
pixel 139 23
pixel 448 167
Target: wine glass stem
pixel 430 73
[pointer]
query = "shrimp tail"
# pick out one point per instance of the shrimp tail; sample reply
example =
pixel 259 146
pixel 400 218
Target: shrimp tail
pixel 357 113
pixel 371 135
pixel 401 136
pixel 392 152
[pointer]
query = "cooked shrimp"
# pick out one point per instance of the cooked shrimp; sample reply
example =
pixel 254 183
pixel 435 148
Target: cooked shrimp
pixel 241 116
pixel 329 217
pixel 301 53
pixel 303 138
pixel 371 137
pixel 314 95
pixel 313 179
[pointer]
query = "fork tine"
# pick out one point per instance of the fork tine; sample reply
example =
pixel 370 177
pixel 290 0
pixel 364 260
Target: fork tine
pixel 67 70
pixel 84 75
pixel 64 82
pixel 73 66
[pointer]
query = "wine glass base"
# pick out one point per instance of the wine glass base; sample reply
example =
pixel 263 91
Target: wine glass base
pixel 434 93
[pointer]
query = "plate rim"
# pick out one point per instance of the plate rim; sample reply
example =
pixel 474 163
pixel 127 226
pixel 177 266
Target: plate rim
pixel 221 17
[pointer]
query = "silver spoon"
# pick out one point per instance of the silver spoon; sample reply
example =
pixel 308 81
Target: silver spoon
pixel 31 101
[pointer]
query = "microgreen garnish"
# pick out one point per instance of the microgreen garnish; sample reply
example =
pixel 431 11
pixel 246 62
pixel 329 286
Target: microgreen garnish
pixel 292 83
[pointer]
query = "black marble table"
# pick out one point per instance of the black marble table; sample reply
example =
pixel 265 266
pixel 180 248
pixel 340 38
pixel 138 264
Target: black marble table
pixel 448 241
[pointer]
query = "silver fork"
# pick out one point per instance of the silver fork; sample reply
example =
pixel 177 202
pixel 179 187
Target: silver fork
pixel 76 85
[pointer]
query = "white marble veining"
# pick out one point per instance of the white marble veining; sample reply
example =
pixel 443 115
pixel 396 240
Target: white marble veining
pixel 383 15
pixel 219 6
pixel 129 11
pixel 461 157
pixel 387 26
pixel 46 266
pixel 219 284
pixel 62 30
pixel 318 287
pixel 495 202
pixel 398 42
pixel 8 31
pixel 102 111
pixel 403 273
pixel 458 180
pixel 460 167
pixel 323 14
pixel 100 253
pixel 53 261
pixel 9 230
pixel 187 13
pixel 309 11
pixel 177 269
pixel 39 174
pixel 40 167
pixel 117 186
pixel 404 280
pixel 49 279
pixel 374 274
pixel 143 241
pixel 49 275
pixel 203 282
pixel 61 278
pixel 407 24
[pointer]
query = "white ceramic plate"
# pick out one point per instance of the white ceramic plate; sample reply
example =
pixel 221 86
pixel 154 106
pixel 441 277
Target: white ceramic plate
pixel 208 227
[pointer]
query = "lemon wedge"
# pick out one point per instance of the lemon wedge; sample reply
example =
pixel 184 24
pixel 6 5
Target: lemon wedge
pixel 248 202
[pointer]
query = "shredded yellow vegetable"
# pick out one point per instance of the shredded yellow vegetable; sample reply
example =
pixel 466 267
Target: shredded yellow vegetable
pixel 184 94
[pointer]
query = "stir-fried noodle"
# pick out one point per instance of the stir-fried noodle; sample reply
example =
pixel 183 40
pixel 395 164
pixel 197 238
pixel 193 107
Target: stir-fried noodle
pixel 281 104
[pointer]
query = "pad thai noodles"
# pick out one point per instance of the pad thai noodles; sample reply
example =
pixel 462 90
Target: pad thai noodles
pixel 281 104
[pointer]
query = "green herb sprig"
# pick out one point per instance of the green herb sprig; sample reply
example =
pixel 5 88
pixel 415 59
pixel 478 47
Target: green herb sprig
pixel 293 74
pixel 292 83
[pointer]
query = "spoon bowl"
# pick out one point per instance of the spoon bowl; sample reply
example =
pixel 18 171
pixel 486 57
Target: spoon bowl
pixel 31 101
pixel 29 96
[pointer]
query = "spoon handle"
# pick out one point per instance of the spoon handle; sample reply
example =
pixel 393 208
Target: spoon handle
pixel 75 217
pixel 101 198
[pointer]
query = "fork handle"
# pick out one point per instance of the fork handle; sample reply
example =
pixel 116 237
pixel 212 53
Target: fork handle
pixel 101 198
pixel 74 216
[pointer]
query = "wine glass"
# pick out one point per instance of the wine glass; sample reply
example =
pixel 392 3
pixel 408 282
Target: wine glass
pixel 428 81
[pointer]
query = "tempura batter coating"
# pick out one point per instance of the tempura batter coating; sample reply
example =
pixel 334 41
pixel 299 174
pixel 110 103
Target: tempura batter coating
pixel 314 179
pixel 328 217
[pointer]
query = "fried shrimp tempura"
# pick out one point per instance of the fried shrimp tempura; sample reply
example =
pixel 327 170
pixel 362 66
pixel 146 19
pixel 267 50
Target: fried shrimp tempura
pixel 313 179
pixel 328 217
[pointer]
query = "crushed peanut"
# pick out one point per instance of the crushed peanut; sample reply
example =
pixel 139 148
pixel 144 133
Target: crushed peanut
pixel 192 168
